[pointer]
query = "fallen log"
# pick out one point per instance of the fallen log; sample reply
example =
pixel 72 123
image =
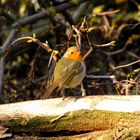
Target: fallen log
pixel 70 116
pixel 59 106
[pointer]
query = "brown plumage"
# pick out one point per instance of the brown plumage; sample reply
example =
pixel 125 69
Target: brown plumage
pixel 68 72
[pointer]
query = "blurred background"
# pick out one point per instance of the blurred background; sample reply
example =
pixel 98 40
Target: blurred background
pixel 26 63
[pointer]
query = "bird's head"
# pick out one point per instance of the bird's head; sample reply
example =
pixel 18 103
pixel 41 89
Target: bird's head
pixel 73 53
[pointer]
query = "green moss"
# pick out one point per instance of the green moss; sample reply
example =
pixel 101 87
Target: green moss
pixel 40 123
pixel 83 120
pixel 11 123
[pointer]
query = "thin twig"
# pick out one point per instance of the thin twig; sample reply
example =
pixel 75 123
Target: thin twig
pixel 77 37
pixel 90 50
pixel 100 76
pixel 100 84
pixel 127 65
pixel 43 45
pixel 117 51
pixel 112 43
pixel 90 44
pixel 30 74
pixel 133 55
pixel 58 118
pixel 107 13
pixel 120 50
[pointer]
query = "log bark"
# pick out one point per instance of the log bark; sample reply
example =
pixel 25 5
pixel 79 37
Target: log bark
pixel 59 106
pixel 95 117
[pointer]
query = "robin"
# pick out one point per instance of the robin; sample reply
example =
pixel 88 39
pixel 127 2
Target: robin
pixel 69 71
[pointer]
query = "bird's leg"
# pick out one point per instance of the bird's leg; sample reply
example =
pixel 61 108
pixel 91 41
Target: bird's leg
pixel 62 93
pixel 75 95
pixel 83 89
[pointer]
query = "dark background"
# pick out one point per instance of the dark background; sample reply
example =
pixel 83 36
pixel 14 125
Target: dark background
pixel 123 27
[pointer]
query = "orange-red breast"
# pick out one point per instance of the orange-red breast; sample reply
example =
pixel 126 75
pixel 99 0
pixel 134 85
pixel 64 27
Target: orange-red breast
pixel 69 71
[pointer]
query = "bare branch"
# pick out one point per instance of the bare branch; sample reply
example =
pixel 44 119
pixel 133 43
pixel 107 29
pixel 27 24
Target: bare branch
pixel 133 55
pixel 69 4
pixel 117 51
pixel 77 37
pixel 89 51
pixel 8 16
pixel 89 41
pixel 38 16
pixel 3 48
pixel 80 11
pixel 22 22
pixel 9 39
pixel 127 65
pixel 1 78
pixel 107 13
pixel 112 43
pixel 30 19
pixel 43 45
pixel 101 76
pixel 68 17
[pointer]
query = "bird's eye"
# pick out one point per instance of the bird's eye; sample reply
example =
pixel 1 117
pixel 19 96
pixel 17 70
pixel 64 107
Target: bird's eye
pixel 71 52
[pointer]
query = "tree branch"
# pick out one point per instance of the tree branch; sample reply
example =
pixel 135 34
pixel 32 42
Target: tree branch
pixel 107 13
pixel 127 65
pixel 8 16
pixel 3 48
pixel 80 11
pixel 38 16
pixel 30 19
pixel 1 78
pixel 69 4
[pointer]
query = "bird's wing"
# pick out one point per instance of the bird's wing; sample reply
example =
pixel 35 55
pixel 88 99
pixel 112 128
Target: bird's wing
pixel 69 72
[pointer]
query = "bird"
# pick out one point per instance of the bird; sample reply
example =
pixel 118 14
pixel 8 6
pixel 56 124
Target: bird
pixel 69 71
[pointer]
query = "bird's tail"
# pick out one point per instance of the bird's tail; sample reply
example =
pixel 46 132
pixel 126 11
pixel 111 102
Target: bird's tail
pixel 49 90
